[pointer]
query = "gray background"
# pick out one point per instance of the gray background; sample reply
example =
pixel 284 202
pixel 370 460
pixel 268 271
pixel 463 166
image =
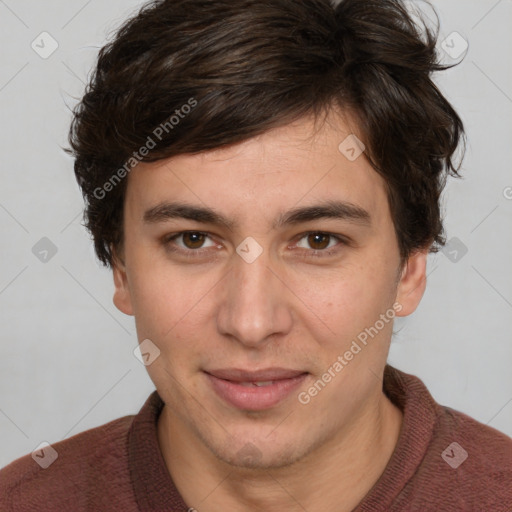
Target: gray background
pixel 66 353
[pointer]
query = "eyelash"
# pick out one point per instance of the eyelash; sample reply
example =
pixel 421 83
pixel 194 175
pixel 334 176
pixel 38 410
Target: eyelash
pixel 315 253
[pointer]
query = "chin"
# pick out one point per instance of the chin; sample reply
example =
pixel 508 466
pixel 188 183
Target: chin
pixel 261 454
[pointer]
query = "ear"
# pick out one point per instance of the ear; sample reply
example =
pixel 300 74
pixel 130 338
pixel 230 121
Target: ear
pixel 122 296
pixel 412 283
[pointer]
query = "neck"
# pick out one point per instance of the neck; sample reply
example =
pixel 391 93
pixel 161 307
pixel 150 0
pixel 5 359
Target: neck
pixel 335 477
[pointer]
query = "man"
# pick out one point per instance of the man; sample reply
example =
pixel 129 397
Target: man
pixel 264 180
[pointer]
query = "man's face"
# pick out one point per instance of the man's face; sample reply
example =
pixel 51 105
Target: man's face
pixel 298 305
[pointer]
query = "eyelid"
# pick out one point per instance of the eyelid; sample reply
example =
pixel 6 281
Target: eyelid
pixel 342 240
pixel 174 236
pixel 191 253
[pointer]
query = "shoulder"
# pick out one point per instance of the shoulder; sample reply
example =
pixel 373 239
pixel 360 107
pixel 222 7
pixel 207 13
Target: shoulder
pixel 489 451
pixel 444 459
pixel 468 464
pixel 75 473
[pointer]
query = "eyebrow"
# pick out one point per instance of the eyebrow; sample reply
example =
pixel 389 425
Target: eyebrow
pixel 326 210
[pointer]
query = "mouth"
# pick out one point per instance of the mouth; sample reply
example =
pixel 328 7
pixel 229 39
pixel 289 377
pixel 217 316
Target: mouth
pixel 257 390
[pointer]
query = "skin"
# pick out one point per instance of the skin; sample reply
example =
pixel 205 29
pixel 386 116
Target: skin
pixel 285 309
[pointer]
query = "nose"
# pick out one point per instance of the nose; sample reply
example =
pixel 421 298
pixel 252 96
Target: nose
pixel 255 303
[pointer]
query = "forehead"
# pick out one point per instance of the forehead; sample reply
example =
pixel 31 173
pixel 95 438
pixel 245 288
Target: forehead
pixel 295 165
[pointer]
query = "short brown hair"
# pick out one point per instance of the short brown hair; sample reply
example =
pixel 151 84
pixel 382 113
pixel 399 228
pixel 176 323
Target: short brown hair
pixel 247 66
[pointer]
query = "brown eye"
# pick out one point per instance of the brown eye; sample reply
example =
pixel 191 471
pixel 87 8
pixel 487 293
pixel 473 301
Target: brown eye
pixel 191 244
pixel 193 239
pixel 320 244
pixel 318 241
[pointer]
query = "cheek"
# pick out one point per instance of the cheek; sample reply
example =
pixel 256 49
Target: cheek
pixel 337 306
pixel 172 305
pixel 173 318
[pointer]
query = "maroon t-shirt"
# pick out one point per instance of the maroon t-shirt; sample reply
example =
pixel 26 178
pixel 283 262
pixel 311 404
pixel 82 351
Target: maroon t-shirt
pixel 444 461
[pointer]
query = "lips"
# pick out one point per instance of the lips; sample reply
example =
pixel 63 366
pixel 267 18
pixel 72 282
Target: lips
pixel 254 390
pixel 269 374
